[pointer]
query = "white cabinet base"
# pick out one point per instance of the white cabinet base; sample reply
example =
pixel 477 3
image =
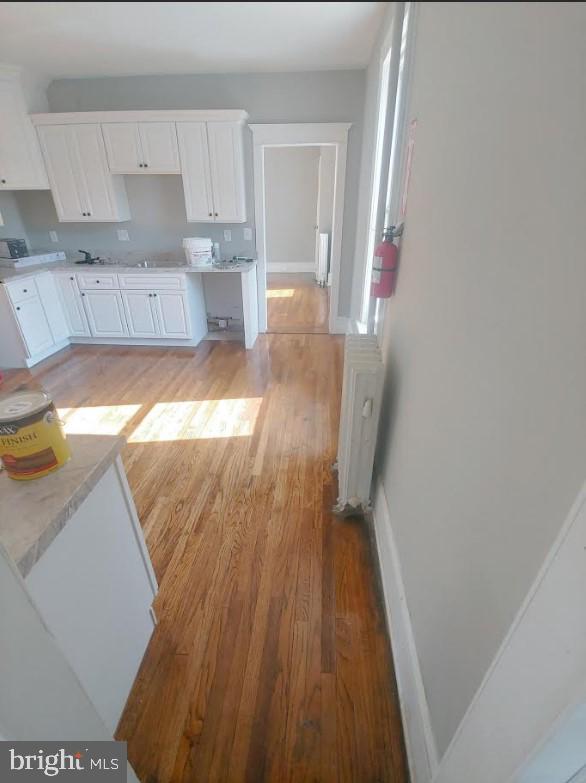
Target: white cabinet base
pixel 94 587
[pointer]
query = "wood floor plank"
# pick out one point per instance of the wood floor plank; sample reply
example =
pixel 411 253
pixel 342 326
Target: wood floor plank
pixel 295 303
pixel 270 661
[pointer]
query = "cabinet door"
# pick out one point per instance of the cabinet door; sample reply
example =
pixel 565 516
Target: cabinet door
pixel 140 314
pixel 105 313
pixel 33 325
pixel 95 181
pixel 172 314
pixel 56 143
pixel 227 171
pixel 159 147
pixel 122 141
pixel 21 163
pixel 72 305
pixel 195 170
pixel 52 306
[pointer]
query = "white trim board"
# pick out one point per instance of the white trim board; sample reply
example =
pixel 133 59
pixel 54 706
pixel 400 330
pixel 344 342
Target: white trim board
pixel 300 134
pixel 537 673
pixel 419 740
pixel 291 266
pixel 533 683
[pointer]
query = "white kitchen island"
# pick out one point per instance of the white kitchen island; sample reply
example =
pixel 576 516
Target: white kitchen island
pixel 76 544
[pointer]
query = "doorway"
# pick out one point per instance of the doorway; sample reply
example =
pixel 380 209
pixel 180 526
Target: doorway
pixel 294 300
pixel 299 193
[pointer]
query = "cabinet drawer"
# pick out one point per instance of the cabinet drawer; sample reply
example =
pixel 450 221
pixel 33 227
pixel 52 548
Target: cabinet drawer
pixel 97 281
pixel 19 290
pixel 140 282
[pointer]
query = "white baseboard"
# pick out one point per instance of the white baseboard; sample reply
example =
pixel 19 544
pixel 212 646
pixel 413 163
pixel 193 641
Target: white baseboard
pixel 419 739
pixel 291 266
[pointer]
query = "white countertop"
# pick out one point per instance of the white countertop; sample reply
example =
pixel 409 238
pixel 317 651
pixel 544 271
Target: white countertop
pixel 7 274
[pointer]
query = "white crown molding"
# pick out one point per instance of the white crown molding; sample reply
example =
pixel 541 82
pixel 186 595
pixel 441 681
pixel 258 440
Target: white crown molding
pixel 154 115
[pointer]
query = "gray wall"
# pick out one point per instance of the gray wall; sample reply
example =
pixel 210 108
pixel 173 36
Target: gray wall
pixel 156 203
pixel 291 187
pixel 483 442
pixel 13 225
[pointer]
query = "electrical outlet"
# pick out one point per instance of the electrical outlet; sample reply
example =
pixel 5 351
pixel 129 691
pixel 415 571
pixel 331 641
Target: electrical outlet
pixel 123 235
pixel 247 234
pixel 53 236
pixel 227 235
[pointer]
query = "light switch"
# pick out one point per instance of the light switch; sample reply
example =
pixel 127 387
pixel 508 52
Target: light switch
pixel 247 234
pixel 123 235
pixel 227 235
pixel 53 236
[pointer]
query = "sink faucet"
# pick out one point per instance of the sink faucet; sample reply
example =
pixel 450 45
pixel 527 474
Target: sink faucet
pixel 87 258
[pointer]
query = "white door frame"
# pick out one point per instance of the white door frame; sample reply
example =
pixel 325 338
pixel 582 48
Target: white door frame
pixel 320 134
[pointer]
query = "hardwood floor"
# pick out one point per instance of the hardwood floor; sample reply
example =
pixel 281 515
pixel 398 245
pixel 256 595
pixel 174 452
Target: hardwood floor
pixel 296 304
pixel 270 661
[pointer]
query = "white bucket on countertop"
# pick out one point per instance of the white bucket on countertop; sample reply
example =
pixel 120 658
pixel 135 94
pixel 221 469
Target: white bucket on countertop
pixel 198 251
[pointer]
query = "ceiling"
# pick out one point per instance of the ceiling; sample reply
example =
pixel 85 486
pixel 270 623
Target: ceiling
pixel 68 40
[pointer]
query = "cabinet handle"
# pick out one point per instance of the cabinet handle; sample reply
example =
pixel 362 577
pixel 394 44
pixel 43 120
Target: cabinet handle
pixel 18 308
pixel 71 278
pixel 146 165
pixel 215 214
pixel 210 214
pixel 140 165
pixel 25 290
pixel 83 294
pixel 89 214
pixel 3 181
pixel 97 281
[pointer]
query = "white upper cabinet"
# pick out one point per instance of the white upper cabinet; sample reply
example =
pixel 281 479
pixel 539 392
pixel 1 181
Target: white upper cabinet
pixel 83 188
pixel 159 147
pixel 212 166
pixel 21 163
pixel 195 168
pixel 227 169
pixel 141 147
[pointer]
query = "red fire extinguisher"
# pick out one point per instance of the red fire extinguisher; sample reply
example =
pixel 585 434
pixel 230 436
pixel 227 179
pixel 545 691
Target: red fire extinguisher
pixel 385 264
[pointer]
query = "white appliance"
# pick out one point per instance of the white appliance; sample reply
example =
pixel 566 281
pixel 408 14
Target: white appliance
pixel 198 251
pixel 359 415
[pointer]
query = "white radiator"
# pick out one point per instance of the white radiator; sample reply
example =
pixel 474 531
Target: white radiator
pixel 359 416
pixel 321 275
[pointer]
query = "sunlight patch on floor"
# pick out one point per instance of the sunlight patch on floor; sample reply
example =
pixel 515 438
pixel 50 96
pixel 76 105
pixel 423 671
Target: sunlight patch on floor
pixel 198 420
pixel 98 419
pixel 280 293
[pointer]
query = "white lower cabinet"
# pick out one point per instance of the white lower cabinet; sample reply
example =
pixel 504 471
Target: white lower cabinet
pixel 173 314
pixel 140 314
pixel 47 288
pixel 72 305
pixel 105 313
pixel 155 314
pixel 33 325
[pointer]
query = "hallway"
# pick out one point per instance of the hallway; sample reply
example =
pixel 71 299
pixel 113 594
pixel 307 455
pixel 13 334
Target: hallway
pixel 271 660
pixel 296 304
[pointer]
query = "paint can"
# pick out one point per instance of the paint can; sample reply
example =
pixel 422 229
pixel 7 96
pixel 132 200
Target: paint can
pixel 32 441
